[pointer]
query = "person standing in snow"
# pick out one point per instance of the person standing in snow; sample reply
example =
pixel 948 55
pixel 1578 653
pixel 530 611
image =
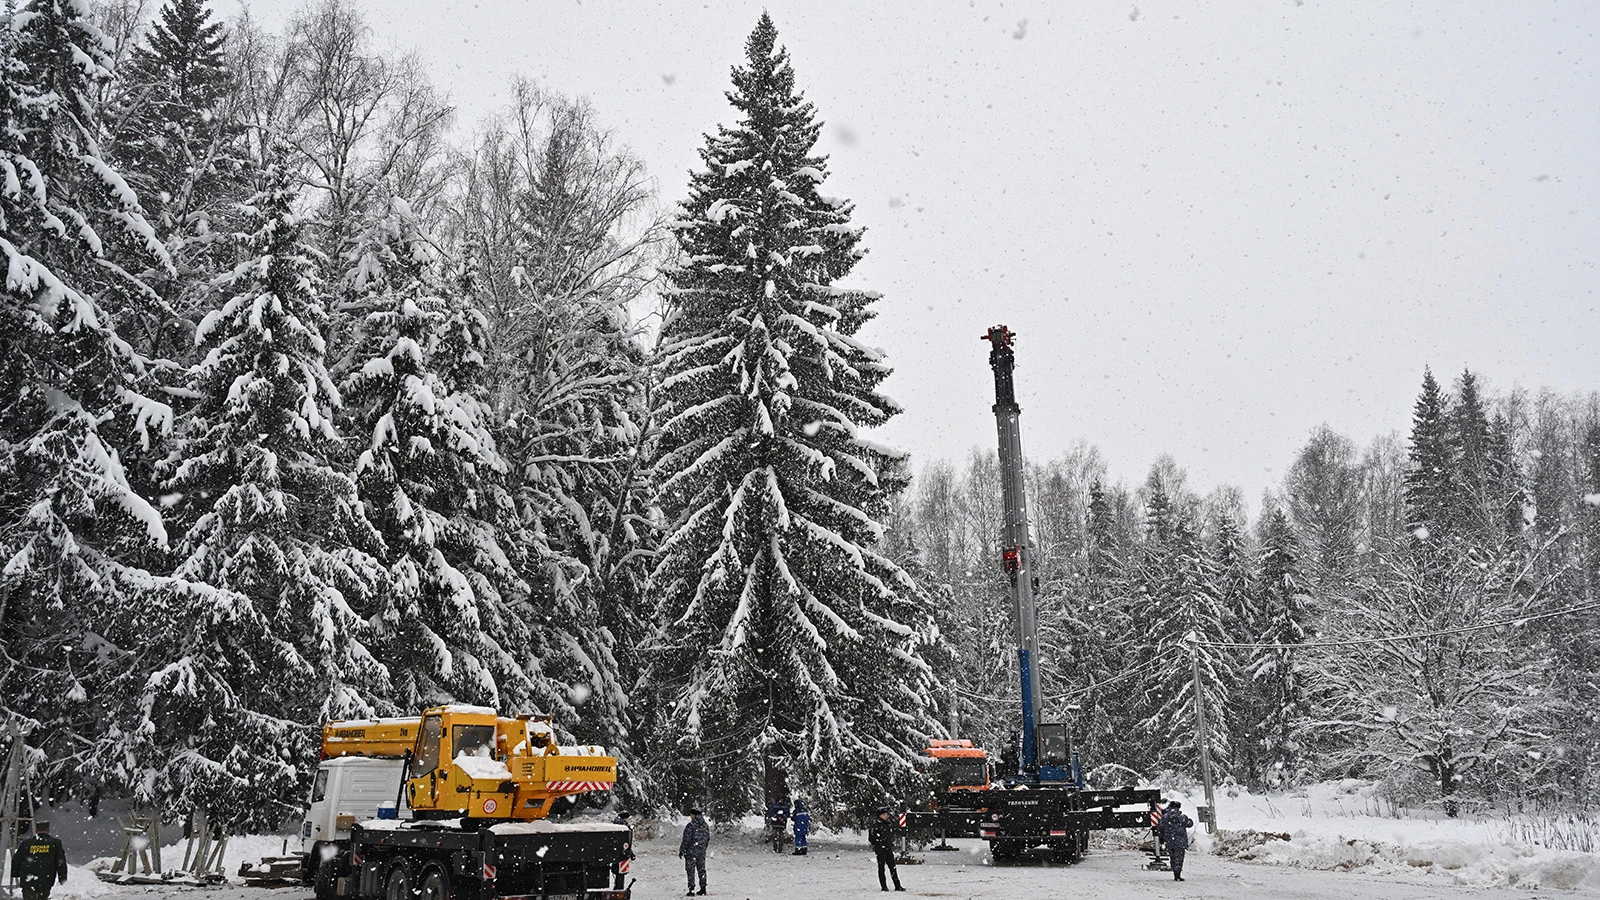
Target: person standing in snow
pixel 696 839
pixel 621 874
pixel 39 863
pixel 881 837
pixel 778 823
pixel 1175 836
pixel 802 827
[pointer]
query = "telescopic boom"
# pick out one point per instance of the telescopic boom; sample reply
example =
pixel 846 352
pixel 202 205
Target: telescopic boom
pixel 1015 552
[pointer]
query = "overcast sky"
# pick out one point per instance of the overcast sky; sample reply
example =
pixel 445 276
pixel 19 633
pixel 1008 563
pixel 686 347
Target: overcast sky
pixel 1213 225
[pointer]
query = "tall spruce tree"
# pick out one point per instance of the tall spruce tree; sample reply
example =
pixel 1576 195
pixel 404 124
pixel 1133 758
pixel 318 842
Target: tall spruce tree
pixel 1185 608
pixel 1171 599
pixel 789 647
pixel 1277 688
pixel 174 130
pixel 433 481
pixel 1430 490
pixel 269 518
pixel 175 137
pixel 76 534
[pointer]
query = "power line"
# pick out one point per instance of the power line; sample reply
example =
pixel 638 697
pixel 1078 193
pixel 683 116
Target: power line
pixel 971 696
pixel 1069 695
pixel 1463 629
pixel 1083 692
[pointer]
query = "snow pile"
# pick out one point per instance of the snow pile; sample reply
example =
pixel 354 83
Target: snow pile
pixel 1478 864
pixel 1347 826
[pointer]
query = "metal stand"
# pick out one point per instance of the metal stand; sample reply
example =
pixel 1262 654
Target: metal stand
pixel 16 806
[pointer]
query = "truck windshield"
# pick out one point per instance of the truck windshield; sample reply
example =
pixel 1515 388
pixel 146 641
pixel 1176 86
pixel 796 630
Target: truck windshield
pixel 472 740
pixel 961 772
pixel 319 788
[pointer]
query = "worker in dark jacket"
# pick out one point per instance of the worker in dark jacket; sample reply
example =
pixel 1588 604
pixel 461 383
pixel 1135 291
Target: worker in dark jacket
pixel 696 838
pixel 621 874
pixel 881 837
pixel 1175 836
pixel 802 827
pixel 778 823
pixel 39 863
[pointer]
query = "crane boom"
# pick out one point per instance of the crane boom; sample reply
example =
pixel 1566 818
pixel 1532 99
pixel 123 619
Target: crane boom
pixel 1015 553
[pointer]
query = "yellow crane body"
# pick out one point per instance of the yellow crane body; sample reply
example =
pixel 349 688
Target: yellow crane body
pixel 467 761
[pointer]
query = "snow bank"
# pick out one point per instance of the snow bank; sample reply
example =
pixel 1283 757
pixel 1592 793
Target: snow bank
pixel 1346 826
pixel 1476 864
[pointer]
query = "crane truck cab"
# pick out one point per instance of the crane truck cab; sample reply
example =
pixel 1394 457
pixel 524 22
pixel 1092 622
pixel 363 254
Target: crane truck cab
pixel 958 766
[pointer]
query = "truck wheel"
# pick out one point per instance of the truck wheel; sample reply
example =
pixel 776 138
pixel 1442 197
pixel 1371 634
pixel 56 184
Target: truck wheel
pixel 398 885
pixel 325 885
pixel 435 886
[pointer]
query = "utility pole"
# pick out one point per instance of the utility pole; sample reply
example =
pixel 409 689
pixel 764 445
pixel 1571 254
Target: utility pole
pixel 1204 736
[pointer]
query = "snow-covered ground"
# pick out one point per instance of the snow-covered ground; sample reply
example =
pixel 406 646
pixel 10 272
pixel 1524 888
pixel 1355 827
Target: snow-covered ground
pixel 842 867
pixel 1345 827
pixel 1343 844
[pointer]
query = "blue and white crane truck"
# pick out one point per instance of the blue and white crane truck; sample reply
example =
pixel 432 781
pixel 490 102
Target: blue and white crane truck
pixel 1045 802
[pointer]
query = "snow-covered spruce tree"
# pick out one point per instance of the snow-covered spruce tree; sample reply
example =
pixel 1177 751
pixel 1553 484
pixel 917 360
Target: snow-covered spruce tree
pixel 269 519
pixel 1106 725
pixel 175 134
pixel 1231 585
pixel 1172 600
pixel 1277 689
pixel 1431 475
pixel 788 658
pixel 432 480
pixel 75 534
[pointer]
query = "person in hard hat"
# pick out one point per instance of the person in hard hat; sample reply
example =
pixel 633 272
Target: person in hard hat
pixel 696 839
pixel 881 837
pixel 1175 836
pixel 802 826
pixel 39 863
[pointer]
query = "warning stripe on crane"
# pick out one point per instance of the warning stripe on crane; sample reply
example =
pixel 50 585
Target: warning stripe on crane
pixel 1155 816
pixel 902 820
pixel 578 787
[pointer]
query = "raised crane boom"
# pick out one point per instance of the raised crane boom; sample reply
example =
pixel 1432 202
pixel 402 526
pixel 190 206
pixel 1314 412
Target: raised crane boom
pixel 1015 553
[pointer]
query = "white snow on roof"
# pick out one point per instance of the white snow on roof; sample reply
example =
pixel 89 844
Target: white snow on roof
pixel 543 827
pixel 585 750
pixel 474 710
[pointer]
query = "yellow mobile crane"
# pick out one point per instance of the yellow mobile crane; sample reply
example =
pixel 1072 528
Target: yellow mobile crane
pixel 479 787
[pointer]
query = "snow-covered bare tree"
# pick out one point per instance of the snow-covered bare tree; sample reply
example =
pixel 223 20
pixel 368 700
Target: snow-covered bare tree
pixel 1445 715
pixel 556 222
pixel 788 654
